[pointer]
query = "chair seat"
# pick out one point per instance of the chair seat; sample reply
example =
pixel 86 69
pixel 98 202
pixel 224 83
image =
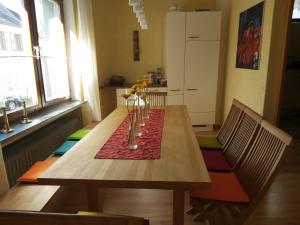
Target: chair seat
pixel 209 142
pixel 224 187
pixel 215 161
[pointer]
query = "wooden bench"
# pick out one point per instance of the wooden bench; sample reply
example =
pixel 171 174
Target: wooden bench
pixel 42 218
pixel 31 197
pixel 26 196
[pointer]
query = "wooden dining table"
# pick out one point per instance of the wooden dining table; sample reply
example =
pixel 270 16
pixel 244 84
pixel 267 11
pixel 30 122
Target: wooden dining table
pixel 179 168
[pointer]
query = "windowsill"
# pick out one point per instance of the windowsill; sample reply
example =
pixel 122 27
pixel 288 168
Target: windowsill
pixel 39 120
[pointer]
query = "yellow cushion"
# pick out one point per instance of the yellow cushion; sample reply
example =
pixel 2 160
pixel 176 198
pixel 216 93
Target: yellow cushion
pixel 130 219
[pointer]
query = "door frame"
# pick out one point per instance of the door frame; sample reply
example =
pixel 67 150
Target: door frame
pixel 284 62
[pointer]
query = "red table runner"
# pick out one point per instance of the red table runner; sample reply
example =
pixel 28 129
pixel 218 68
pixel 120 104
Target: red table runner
pixel 148 143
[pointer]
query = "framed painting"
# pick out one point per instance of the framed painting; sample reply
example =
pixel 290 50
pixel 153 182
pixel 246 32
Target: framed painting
pixel 249 37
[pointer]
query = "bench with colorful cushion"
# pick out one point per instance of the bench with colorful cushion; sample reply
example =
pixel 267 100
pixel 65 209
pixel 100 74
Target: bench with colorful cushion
pixel 79 134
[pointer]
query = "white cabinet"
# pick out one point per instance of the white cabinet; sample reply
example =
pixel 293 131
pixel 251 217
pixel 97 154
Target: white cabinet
pixel 201 79
pixel 175 49
pixel 200 107
pixel 175 97
pixel 196 86
pixel 203 26
pixel 175 54
pixel 201 71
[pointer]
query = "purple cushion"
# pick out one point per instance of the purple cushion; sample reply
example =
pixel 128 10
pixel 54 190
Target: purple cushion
pixel 215 161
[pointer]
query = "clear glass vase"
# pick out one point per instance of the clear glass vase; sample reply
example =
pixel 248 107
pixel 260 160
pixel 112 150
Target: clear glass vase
pixel 146 109
pixel 137 127
pixel 132 145
pixel 140 114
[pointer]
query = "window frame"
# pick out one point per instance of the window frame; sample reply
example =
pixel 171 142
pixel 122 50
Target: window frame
pixel 42 104
pixel 35 42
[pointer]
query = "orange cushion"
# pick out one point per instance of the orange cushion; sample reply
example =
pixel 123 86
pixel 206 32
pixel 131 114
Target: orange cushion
pixel 224 187
pixel 36 170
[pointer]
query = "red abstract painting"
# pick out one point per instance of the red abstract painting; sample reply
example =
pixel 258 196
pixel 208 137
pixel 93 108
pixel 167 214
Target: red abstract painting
pixel 249 38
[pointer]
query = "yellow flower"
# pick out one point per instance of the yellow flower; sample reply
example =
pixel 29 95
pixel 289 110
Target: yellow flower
pixel 143 96
pixel 139 82
pixel 134 87
pixel 138 86
pixel 145 83
pixel 126 96
pixel 132 91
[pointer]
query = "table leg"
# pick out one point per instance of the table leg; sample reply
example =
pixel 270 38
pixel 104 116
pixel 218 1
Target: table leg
pixel 93 199
pixel 178 207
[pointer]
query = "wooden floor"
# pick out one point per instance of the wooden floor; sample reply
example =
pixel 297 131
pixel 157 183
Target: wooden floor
pixel 280 206
pixel 155 205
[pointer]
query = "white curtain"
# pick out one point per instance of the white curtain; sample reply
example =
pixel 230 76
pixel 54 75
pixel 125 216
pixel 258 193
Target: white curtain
pixel 73 49
pixel 297 4
pixel 82 54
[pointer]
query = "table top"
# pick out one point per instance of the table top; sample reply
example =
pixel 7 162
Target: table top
pixel 181 165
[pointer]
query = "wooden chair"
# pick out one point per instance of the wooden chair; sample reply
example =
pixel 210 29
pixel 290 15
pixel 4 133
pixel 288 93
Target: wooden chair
pixel 157 98
pixel 234 152
pixel 43 218
pixel 226 132
pixel 241 191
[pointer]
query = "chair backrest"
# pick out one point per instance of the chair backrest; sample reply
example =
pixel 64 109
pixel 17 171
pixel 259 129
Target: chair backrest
pixel 157 98
pixel 258 169
pixel 242 137
pixel 225 133
pixel 43 218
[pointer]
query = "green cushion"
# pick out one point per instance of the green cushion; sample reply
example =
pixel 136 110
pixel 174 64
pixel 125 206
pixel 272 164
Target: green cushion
pixel 77 135
pixel 209 142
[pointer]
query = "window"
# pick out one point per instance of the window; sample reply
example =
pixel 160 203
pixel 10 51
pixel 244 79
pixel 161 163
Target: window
pixel 52 49
pixel 7 40
pixel 33 62
pixel 296 11
pixel 2 41
pixel 16 42
pixel 18 78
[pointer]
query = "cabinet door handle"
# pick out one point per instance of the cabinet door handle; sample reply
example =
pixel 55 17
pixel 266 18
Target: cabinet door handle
pixel 194 37
pixel 175 90
pixel 192 89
